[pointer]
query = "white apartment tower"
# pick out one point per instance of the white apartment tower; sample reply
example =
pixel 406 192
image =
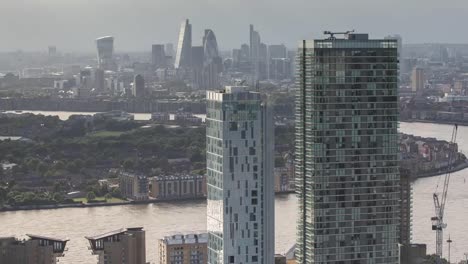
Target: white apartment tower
pixel 240 213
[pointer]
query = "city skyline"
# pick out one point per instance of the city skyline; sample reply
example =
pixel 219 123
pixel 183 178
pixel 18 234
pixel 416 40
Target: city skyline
pixel 414 21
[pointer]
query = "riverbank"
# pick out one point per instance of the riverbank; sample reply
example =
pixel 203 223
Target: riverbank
pixel 459 167
pixel 436 122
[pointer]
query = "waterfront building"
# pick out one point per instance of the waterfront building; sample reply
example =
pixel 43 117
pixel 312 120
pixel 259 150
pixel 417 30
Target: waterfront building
pixel 105 52
pixel 138 89
pixel 178 186
pixel 183 249
pixel 158 56
pixel 125 245
pixel 160 117
pixel 406 205
pixel 240 208
pixel 133 186
pixel 280 259
pixel 34 250
pixel 184 46
pixel 418 79
pixel 347 173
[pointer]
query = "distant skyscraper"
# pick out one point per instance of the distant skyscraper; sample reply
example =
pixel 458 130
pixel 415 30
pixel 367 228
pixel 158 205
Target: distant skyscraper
pixel 184 46
pixel 52 51
pixel 240 209
pixel 277 51
pixel 99 80
pixel 212 62
pixel 126 245
pixel 418 79
pixel 197 66
pixel 138 86
pixel 263 65
pixel 105 51
pixel 158 56
pixel 255 53
pixel 347 170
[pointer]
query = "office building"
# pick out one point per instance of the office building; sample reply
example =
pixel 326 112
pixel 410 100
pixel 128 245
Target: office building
pixel 178 186
pixel 158 56
pixel 280 69
pixel 277 51
pixel 105 52
pixel 99 79
pixel 138 89
pixel 418 79
pixel 347 171
pixel 254 53
pixel 183 249
pixel 52 51
pixel 212 62
pixel 34 250
pixel 184 46
pixel 240 208
pixel 133 186
pixel 126 245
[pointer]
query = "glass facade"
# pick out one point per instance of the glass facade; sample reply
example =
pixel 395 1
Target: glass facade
pixel 347 151
pixel 240 213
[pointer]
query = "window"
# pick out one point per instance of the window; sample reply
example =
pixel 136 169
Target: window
pixel 232 126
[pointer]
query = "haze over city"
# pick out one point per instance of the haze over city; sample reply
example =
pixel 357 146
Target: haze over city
pixel 71 25
pixel 233 132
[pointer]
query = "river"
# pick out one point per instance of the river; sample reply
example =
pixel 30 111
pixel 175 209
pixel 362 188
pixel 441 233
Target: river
pixel 165 218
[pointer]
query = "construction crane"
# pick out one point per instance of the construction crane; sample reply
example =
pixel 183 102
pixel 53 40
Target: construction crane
pixel 438 223
pixel 332 34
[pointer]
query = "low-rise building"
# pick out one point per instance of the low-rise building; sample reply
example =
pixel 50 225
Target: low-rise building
pixel 178 186
pixel 34 250
pixel 126 245
pixel 183 249
pixel 133 186
pixel 160 117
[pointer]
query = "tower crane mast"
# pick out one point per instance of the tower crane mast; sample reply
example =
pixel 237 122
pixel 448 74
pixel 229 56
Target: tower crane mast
pixel 438 223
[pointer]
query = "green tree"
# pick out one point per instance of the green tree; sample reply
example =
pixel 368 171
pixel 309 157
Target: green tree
pixel 32 164
pixel 42 168
pixel 108 196
pixel 117 193
pixel 58 197
pixel 128 164
pixel 90 196
pixel 59 165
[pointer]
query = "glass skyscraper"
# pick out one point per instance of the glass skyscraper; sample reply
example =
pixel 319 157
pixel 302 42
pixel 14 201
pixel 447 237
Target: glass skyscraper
pixel 347 151
pixel 240 208
pixel 183 57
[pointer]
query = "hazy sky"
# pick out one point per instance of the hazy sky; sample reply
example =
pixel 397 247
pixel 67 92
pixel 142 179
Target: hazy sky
pixel 72 25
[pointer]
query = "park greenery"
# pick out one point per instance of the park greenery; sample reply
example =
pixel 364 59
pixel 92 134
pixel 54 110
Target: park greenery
pixel 64 156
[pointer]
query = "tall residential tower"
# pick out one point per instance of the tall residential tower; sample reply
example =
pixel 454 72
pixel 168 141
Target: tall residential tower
pixel 347 151
pixel 240 213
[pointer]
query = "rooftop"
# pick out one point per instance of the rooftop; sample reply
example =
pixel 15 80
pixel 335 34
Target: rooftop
pixel 46 238
pixel 112 233
pixel 181 239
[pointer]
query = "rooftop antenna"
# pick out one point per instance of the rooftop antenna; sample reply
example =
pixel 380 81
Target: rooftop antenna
pixel 332 34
